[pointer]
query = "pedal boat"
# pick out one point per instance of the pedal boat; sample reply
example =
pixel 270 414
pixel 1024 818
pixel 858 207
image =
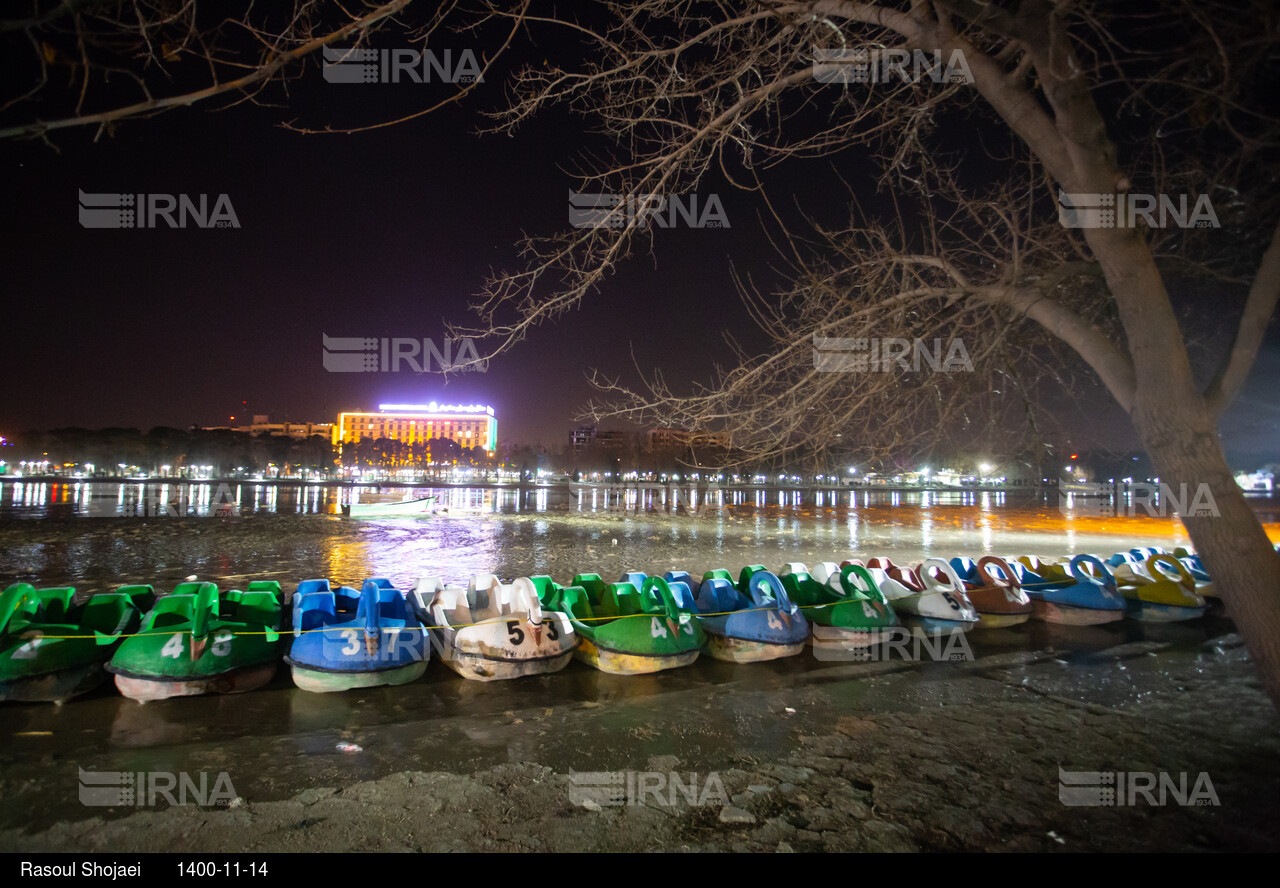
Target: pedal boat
pixel 994 591
pixel 196 640
pixel 344 639
pixel 844 606
pixel 1076 597
pixel 492 631
pixel 53 649
pixel 632 627
pixel 930 598
pixel 752 621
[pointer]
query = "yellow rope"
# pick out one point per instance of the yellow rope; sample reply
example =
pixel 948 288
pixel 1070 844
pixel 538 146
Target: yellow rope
pixel 168 633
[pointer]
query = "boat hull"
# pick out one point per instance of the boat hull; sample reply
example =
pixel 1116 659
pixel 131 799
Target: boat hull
pixel 478 667
pixel 235 681
pixel 1001 621
pixel 742 650
pixel 53 687
pixel 411 508
pixel 1049 612
pixel 1148 612
pixel 935 625
pixel 842 638
pixel 323 681
pixel 622 663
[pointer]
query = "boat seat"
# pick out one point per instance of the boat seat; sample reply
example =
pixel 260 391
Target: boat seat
pixel 967 568
pixel 574 600
pixel 107 613
pixel 683 595
pixel 718 596
pixel 622 599
pixel 794 568
pixel 682 576
pixel 55 603
pixel 593 586
pixel 549 594
pixel 823 571
pixel 259 606
pixel 634 578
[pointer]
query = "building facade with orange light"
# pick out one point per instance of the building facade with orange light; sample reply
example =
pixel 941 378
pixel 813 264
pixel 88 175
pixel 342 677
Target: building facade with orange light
pixel 470 425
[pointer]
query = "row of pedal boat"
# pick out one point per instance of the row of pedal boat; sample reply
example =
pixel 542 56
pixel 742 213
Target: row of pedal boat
pixel 198 639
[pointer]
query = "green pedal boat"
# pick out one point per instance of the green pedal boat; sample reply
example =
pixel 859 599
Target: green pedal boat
pixel 630 627
pixel 199 641
pixel 844 605
pixel 52 649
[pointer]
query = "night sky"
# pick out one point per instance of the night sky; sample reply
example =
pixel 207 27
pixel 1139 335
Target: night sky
pixel 379 234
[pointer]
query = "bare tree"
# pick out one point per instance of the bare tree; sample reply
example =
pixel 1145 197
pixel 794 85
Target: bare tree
pixel 96 63
pixel 1090 99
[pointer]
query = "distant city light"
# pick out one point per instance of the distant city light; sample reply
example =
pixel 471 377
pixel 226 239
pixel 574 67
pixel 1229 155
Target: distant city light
pixel 434 407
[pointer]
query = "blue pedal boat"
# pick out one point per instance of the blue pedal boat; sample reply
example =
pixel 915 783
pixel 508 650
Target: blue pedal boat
pixel 344 639
pixel 752 621
pixel 1084 599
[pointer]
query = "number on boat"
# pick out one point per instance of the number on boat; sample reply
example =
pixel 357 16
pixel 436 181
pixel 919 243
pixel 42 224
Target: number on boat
pixel 955 605
pixel 514 632
pixel 552 632
pixel 772 619
pixel 657 630
pixel 221 644
pixel 353 643
pixel 172 647
pixel 868 611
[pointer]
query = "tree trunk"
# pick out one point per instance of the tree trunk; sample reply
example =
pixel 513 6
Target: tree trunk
pixel 1232 543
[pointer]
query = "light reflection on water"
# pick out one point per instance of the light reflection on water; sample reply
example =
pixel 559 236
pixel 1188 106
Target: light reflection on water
pixel 292 532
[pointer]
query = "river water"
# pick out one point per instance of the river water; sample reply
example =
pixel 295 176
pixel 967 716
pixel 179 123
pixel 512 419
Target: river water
pixel 101 535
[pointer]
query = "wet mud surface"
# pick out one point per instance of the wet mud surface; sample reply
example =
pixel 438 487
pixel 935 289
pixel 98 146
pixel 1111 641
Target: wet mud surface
pixel 796 754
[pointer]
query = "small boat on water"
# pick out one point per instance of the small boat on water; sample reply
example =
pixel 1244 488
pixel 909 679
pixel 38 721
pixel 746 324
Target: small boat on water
pixel 1076 596
pixel 749 622
pixel 377 506
pixel 634 626
pixel 994 591
pixel 344 639
pixel 196 640
pixel 492 631
pixel 931 597
pixel 1159 589
pixel 53 649
pixel 846 609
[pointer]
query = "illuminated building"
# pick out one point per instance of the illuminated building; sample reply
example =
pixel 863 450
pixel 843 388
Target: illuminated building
pixel 470 425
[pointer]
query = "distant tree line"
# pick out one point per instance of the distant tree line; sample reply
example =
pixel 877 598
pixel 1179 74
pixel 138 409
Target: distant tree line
pixel 226 451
